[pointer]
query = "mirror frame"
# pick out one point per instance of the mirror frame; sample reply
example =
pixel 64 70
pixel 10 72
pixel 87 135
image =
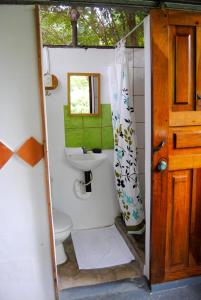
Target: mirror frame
pixel 99 92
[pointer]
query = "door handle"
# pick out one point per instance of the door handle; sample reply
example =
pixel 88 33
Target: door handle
pixel 162 165
pixel 159 147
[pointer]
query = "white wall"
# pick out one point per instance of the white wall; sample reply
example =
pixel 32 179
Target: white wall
pixel 102 207
pixel 25 264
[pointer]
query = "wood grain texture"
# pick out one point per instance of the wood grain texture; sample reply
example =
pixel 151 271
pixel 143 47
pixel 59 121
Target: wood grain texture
pixel 195 232
pixel 159 33
pixel 184 81
pixel 185 118
pixel 5 154
pixel 182 162
pixel 183 18
pixel 188 139
pixel 181 58
pixel 183 273
pixel 186 136
pixel 176 120
pixel 44 132
pixel 182 69
pixel 179 200
pixel 198 68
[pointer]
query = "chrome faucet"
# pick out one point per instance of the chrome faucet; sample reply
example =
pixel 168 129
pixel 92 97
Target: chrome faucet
pixel 84 150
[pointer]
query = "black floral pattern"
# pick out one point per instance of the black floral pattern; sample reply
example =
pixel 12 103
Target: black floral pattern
pixel 126 165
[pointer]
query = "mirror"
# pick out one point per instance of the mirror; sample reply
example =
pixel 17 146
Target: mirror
pixel 84 93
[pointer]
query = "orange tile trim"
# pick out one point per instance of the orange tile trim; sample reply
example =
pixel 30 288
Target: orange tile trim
pixel 31 151
pixel 5 154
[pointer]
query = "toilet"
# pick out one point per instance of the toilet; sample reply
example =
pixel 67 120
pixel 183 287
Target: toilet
pixel 62 229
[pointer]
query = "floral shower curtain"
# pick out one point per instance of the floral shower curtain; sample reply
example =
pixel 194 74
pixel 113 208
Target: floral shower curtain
pixel 125 160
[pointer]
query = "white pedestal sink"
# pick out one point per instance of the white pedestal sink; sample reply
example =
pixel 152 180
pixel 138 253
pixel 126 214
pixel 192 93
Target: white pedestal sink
pixel 85 162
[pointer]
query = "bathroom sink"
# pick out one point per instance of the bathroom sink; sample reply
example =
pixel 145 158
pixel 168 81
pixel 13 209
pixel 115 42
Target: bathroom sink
pixel 85 162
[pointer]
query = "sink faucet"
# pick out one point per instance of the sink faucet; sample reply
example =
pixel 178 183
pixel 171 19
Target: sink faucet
pixel 84 150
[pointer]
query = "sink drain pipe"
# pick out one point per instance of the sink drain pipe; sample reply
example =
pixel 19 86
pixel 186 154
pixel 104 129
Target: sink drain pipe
pixel 79 185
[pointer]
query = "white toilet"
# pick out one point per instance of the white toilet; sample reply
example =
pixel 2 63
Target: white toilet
pixel 62 229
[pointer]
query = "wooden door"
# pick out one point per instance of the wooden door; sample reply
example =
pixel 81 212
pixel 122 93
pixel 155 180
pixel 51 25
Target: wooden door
pixel 176 132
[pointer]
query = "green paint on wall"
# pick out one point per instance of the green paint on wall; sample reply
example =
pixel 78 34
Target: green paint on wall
pixel 90 132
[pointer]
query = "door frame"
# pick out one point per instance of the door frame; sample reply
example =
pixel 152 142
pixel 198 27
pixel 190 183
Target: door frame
pixel 46 160
pixel 159 78
pixel 47 172
pixel 155 262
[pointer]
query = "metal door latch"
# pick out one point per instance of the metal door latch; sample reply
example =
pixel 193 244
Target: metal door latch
pixel 159 147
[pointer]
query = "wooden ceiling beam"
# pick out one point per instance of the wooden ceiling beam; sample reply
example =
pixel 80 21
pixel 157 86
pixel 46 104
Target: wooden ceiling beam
pixel 140 4
pixel 115 3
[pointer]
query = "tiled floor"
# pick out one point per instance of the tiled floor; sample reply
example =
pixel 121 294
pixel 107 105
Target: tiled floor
pixel 70 275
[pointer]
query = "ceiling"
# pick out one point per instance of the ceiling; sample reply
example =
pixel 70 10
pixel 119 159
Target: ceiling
pixel 142 4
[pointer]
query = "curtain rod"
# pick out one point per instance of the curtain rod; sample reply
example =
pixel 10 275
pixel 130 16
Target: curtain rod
pixel 130 32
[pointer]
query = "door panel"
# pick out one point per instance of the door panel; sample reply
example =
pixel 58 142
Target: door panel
pixel 187 139
pixel 195 232
pixel 178 219
pixel 176 115
pixel 198 68
pixel 182 42
pixel 185 118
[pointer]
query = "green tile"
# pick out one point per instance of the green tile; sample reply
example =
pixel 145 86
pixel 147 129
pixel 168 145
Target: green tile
pixel 92 121
pixel 65 109
pixel 106 115
pixel 65 139
pixel 72 121
pixel 107 138
pixel 65 116
pixel 74 138
pixel 92 138
pixel 86 131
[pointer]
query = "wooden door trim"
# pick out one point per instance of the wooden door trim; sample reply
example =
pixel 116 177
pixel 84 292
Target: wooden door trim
pixel 184 273
pixel 160 119
pixel 184 19
pixel 44 132
pixel 191 119
pixel 198 67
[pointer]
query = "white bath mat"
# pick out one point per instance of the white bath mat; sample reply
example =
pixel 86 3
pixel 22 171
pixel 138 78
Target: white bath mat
pixel 100 248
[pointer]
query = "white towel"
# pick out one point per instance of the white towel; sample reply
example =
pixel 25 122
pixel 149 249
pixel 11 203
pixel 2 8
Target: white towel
pixel 100 248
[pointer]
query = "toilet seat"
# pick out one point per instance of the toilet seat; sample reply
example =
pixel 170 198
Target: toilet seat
pixel 62 222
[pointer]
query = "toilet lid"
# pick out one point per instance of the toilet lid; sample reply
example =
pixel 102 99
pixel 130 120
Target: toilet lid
pixel 61 221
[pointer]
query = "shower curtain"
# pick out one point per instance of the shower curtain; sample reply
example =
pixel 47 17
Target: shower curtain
pixel 125 158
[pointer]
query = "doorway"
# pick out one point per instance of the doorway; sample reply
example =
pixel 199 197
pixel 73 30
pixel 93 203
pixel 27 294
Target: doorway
pixel 65 57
